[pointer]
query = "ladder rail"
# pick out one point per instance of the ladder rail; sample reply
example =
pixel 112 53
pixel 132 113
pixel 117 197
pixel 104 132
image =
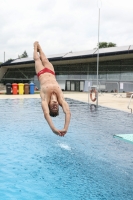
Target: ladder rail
pixel 130 102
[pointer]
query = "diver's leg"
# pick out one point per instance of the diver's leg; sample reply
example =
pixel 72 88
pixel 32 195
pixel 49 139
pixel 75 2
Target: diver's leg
pixel 38 63
pixel 44 59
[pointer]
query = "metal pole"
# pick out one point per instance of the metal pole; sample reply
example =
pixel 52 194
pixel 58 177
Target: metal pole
pixel 98 54
pixel 88 91
pixel 4 56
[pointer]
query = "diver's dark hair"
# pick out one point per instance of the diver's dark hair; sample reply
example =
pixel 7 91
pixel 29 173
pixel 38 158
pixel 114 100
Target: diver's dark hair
pixel 53 114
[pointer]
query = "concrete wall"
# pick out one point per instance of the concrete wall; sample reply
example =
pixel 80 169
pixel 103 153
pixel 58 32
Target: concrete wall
pixel 2 72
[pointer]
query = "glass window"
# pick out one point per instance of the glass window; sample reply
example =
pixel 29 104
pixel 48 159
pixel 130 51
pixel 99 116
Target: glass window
pixel 77 86
pixel 74 76
pixel 127 68
pixel 63 73
pixel 114 68
pixel 81 85
pixel 113 76
pixel 127 62
pixel 102 68
pixel 75 68
pixel 68 85
pixel 84 67
pixel 126 76
pixel 102 75
pixel 92 76
pixel 62 77
pixel 83 76
pixel 93 67
pixel 61 68
pixel 72 86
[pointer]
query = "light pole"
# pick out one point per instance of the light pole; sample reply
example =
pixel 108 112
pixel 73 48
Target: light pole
pixel 99 2
pixel 4 56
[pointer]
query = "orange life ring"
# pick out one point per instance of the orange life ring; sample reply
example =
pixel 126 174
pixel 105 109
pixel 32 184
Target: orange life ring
pixel 91 91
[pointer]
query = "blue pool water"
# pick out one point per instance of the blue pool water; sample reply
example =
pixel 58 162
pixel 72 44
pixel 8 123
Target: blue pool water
pixel 87 164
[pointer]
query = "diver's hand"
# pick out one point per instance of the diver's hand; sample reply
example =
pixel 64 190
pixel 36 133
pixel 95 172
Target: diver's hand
pixel 63 132
pixel 60 132
pixel 57 132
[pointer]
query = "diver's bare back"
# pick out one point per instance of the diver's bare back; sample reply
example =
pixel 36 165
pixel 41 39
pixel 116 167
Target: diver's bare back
pixel 49 85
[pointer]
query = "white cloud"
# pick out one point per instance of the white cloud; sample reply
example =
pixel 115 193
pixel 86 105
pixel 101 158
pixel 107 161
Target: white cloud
pixel 62 26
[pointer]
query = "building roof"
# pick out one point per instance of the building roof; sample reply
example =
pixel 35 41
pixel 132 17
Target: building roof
pixel 76 55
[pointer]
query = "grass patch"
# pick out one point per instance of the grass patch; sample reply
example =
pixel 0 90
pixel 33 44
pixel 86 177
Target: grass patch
pixel 37 92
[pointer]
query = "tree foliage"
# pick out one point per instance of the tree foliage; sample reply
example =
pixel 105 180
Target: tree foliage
pixel 106 44
pixel 9 60
pixel 24 55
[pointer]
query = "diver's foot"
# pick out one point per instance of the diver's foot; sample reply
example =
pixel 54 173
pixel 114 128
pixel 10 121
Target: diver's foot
pixel 36 45
pixel 39 49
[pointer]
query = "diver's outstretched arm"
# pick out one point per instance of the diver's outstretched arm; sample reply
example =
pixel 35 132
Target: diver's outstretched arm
pixel 48 118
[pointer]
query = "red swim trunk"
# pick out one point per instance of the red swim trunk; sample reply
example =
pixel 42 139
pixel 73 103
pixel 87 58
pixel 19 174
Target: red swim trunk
pixel 44 71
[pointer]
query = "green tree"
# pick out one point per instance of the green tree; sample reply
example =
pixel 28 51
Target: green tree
pixel 110 44
pixel 106 44
pixel 24 55
pixel 10 59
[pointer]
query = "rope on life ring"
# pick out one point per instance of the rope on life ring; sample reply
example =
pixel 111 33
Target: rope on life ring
pixel 93 91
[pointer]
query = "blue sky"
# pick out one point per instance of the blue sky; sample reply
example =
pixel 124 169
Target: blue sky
pixel 62 26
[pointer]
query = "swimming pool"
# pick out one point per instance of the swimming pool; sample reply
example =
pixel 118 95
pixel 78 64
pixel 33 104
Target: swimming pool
pixel 87 164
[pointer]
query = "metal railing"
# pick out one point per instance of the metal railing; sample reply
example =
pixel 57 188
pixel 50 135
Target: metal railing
pixel 130 102
pixel 115 83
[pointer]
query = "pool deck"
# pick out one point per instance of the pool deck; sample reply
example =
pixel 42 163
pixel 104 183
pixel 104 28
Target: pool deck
pixel 111 100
